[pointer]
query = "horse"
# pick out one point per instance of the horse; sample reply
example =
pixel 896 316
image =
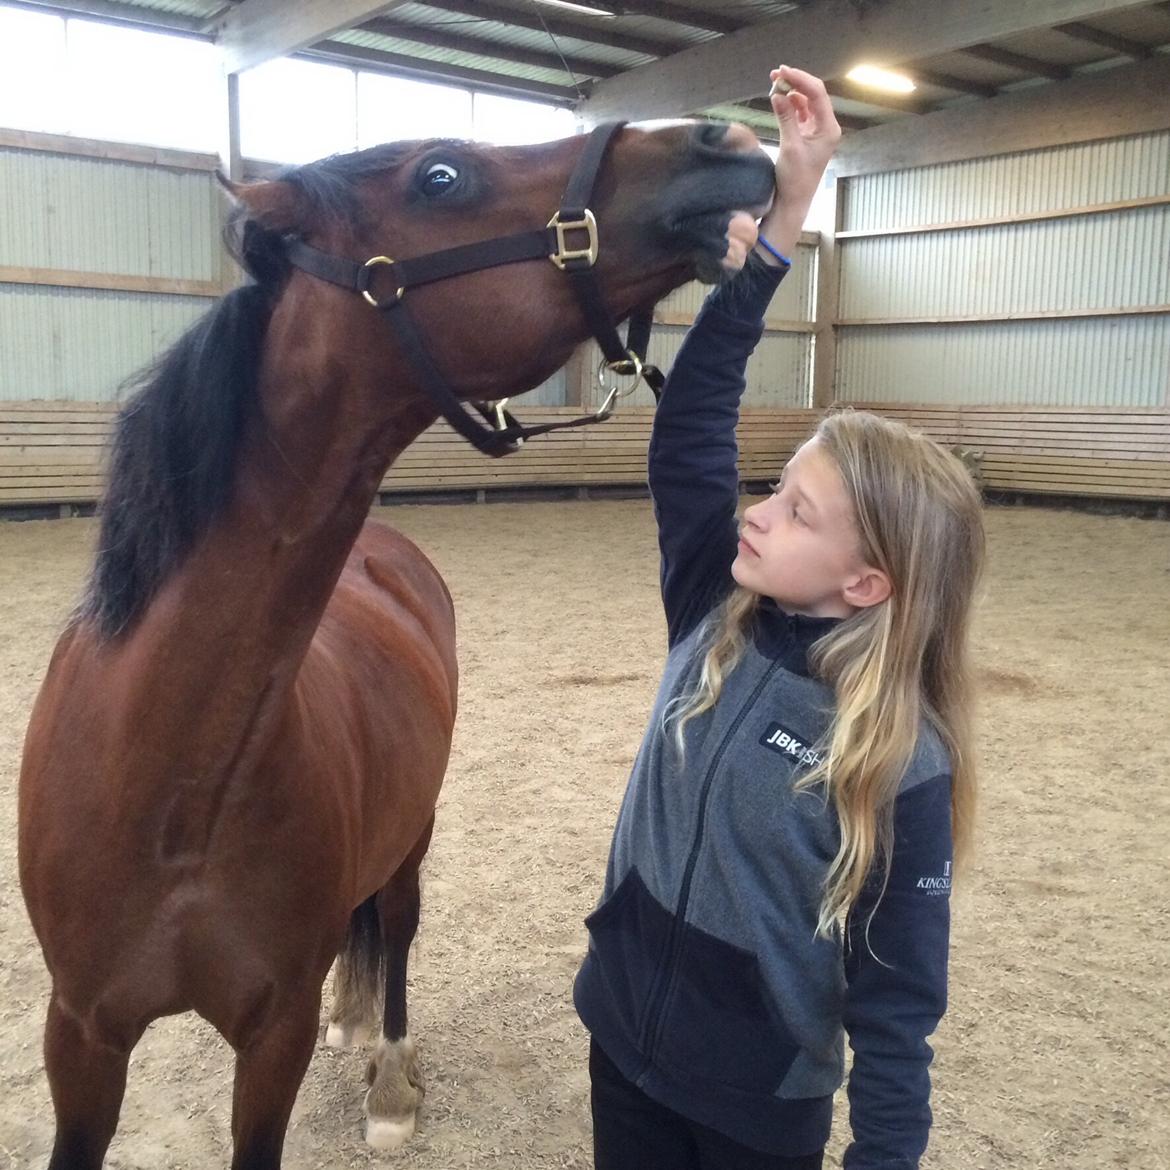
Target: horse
pixel 231 769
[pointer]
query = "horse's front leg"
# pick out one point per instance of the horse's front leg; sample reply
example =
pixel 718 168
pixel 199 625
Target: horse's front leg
pixel 396 1082
pixel 87 1079
pixel 269 1071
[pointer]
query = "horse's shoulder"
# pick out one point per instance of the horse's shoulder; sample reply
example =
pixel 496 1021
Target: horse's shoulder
pixel 386 566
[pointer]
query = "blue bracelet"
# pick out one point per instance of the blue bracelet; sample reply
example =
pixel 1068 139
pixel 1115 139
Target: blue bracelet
pixel 768 248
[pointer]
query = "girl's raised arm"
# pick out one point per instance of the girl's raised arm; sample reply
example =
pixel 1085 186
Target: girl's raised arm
pixel 693 473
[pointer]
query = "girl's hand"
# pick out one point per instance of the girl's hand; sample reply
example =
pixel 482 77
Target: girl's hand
pixel 809 135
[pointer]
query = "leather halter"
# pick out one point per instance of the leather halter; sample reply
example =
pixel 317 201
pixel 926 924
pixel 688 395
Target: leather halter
pixel 552 242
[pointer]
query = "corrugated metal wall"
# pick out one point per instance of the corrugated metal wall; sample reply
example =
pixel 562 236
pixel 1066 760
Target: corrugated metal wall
pixel 97 215
pixel 92 215
pixel 1092 264
pixel 1080 175
pixel 779 372
pixel 80 345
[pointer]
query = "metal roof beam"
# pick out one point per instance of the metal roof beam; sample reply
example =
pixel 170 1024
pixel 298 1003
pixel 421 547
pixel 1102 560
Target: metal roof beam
pixel 1107 40
pixel 579 30
pixel 950 81
pixel 125 15
pixel 706 20
pixel 827 38
pixel 1010 60
pixel 400 65
pixel 259 30
pixel 1090 106
pixel 475 46
pixel 851 91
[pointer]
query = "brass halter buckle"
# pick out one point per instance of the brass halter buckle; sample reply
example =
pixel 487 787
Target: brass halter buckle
pixel 374 262
pixel 564 253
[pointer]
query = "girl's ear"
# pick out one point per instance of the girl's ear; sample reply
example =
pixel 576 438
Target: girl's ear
pixel 867 588
pixel 273 204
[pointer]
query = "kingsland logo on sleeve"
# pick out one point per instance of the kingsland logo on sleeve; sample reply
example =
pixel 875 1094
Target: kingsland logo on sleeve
pixel 789 744
pixel 937 885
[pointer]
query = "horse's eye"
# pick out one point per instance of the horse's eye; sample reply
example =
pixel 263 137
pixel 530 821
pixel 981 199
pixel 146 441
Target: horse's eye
pixel 438 178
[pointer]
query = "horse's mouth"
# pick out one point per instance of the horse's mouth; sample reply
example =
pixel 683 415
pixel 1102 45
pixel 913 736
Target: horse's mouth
pixel 703 238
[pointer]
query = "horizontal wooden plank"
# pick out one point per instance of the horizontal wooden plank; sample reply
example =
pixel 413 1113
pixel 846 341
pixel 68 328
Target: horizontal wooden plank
pixel 47 495
pixel 152 156
pixel 87 488
pixel 1069 475
pixel 1034 315
pixel 1000 220
pixel 1045 486
pixel 110 281
pixel 77 457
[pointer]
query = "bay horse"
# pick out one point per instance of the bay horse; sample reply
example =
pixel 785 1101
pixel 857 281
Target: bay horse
pixel 230 774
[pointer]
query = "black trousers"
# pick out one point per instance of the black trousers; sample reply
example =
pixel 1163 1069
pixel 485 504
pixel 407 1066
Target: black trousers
pixel 633 1132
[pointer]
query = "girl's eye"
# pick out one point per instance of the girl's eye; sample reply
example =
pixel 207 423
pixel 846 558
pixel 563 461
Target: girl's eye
pixel 439 177
pixel 774 488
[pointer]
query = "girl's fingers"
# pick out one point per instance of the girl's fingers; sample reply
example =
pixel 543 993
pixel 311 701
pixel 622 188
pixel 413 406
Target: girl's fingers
pixel 783 107
pixel 812 89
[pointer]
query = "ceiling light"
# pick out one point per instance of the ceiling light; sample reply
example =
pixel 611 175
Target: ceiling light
pixel 587 9
pixel 878 78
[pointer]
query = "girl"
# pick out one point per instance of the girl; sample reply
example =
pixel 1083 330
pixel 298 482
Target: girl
pixel 781 866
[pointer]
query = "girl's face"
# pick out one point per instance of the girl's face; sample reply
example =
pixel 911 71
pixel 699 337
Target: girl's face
pixel 800 546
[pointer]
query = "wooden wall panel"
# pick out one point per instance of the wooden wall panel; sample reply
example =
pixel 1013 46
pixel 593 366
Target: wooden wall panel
pixel 54 452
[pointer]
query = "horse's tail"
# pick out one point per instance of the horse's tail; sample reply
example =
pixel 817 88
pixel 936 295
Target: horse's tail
pixel 359 979
pixel 363 950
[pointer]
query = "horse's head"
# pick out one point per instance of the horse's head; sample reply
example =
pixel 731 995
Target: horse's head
pixel 662 197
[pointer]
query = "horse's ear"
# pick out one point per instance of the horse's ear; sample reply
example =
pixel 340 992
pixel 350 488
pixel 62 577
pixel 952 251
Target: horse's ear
pixel 272 203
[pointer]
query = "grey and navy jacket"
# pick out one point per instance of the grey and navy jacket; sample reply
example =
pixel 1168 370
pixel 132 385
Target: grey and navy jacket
pixel 705 981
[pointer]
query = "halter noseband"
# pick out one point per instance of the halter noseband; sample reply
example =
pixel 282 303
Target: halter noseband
pixel 505 435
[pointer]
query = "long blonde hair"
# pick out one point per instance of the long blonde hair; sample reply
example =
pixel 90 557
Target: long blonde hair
pixel 918 517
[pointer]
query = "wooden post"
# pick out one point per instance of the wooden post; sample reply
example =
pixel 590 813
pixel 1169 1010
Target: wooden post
pixel 232 165
pixel 824 385
pixel 575 377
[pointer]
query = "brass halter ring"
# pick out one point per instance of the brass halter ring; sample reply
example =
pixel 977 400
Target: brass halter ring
pixel 374 262
pixel 628 367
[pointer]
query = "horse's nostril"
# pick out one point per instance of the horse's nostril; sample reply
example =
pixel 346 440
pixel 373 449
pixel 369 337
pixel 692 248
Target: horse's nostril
pixel 723 136
pixel 740 137
pixel 710 133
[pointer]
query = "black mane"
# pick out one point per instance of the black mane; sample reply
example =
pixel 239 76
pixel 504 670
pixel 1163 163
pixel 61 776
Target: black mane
pixel 173 456
pixel 175 443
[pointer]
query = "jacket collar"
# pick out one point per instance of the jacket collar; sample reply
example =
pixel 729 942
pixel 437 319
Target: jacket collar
pixel 788 637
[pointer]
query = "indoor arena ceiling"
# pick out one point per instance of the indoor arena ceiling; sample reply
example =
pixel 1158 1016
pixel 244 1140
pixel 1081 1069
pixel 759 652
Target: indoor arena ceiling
pixel 673 57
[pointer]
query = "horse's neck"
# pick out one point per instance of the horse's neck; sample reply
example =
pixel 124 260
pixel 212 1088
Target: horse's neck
pixel 227 632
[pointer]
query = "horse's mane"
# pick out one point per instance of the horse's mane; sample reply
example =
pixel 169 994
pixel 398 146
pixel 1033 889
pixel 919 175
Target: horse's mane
pixel 173 456
pixel 176 440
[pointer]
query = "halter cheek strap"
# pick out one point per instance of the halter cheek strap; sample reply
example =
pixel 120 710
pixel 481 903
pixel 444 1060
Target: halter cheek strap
pixel 569 240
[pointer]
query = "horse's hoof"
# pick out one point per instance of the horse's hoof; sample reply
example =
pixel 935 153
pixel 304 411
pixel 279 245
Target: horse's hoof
pixel 347 1035
pixel 384 1134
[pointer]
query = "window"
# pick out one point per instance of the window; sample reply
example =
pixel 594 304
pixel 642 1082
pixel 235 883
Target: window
pixel 511 122
pixel 66 75
pixel 392 108
pixel 32 71
pixel 297 111
pixel 146 87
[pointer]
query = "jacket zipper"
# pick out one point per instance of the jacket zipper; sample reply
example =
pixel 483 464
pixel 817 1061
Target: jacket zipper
pixel 655 1019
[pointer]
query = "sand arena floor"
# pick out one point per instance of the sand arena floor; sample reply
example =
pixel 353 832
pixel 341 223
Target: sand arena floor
pixel 1054 1053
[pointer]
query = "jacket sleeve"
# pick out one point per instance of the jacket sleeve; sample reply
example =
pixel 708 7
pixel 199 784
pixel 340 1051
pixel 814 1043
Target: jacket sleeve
pixel 896 974
pixel 694 479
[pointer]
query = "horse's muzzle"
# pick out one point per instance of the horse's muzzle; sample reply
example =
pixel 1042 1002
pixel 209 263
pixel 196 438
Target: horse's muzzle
pixel 724 171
